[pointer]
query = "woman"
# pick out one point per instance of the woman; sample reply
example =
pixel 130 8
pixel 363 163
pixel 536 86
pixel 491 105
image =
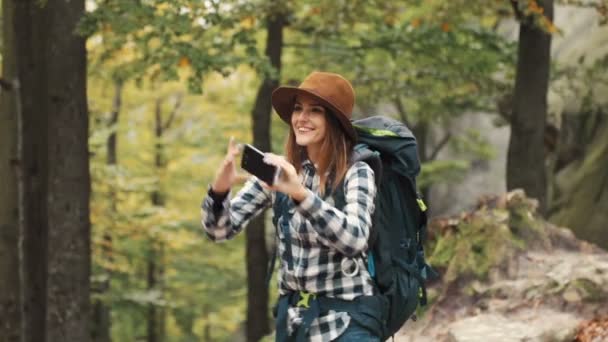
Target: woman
pixel 322 247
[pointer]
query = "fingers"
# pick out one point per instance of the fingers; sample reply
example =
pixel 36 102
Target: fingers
pixel 273 159
pixel 233 150
pixel 269 187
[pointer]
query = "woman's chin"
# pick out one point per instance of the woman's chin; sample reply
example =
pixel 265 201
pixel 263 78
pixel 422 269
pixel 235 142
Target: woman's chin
pixel 306 141
pixel 303 142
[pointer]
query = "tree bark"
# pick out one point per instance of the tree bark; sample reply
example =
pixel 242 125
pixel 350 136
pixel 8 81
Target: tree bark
pixel 257 256
pixel 52 168
pixel 29 47
pixel 10 292
pixel 69 253
pixel 526 153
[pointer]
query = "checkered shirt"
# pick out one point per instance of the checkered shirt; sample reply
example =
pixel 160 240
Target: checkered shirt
pixel 327 244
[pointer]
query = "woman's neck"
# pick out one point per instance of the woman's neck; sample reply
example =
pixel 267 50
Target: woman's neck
pixel 313 154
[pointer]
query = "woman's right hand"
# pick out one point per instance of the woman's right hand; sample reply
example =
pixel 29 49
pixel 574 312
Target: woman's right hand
pixel 226 175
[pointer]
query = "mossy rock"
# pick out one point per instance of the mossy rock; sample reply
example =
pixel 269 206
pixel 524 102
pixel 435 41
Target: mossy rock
pixel 489 237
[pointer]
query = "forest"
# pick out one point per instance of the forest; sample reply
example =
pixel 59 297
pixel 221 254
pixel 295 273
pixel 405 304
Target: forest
pixel 115 114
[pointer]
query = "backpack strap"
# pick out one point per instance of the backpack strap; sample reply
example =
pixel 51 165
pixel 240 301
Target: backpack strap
pixel 280 209
pixel 362 152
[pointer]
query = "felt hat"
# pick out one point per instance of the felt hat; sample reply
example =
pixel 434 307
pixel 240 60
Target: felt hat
pixel 331 90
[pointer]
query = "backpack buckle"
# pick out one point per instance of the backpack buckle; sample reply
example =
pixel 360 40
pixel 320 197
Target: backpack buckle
pixel 421 204
pixel 304 301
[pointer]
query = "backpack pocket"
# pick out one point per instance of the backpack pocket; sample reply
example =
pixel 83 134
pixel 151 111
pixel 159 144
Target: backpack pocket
pixel 403 296
pixel 370 313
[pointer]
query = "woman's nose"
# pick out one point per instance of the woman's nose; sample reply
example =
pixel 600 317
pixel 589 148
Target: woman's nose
pixel 304 114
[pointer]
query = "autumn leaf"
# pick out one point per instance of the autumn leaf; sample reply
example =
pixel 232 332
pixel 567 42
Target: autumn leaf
pixel 184 62
pixel 315 11
pixel 248 22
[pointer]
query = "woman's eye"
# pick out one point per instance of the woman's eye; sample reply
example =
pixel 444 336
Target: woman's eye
pixel 297 109
pixel 317 110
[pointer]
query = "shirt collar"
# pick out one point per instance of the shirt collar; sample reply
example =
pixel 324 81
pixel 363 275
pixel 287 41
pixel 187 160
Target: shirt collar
pixel 308 165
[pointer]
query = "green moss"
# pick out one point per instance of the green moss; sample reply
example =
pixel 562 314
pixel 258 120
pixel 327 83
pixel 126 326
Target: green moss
pixel 487 238
pixel 474 248
pixel 590 291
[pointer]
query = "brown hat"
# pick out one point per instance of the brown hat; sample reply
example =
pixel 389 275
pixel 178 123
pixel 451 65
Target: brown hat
pixel 331 90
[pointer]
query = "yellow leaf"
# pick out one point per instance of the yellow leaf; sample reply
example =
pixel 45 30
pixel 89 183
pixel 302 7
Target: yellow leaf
pixel 154 43
pixel 184 62
pixel 248 22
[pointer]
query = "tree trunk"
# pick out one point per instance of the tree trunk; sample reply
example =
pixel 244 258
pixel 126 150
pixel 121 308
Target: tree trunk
pixel 156 315
pixel 9 215
pixel 526 154
pixel 421 132
pixel 257 256
pixel 30 48
pixel 52 168
pixel 69 253
pixel 151 282
pixel 102 314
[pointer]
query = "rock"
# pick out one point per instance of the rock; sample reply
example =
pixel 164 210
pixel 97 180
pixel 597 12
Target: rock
pixel 529 326
pixel 510 278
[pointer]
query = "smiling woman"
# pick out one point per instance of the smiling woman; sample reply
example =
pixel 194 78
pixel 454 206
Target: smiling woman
pixel 322 273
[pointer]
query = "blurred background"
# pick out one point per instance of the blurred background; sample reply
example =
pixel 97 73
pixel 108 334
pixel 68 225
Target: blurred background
pixel 501 95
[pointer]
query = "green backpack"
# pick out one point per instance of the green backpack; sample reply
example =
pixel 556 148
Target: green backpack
pixel 395 256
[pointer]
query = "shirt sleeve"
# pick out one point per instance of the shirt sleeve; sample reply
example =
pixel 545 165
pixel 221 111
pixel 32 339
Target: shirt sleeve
pixel 222 221
pixel 346 230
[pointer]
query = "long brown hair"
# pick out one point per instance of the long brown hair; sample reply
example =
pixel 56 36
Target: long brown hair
pixel 334 155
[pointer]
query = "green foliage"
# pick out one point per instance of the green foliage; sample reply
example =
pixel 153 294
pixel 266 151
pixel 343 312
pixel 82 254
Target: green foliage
pixel 438 171
pixel 203 284
pixel 155 39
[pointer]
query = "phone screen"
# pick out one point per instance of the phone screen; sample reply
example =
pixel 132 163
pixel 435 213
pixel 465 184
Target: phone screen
pixel 252 161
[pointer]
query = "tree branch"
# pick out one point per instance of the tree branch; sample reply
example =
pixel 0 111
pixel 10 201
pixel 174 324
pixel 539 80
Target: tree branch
pixel 440 146
pixel 401 109
pixel 518 13
pixel 172 114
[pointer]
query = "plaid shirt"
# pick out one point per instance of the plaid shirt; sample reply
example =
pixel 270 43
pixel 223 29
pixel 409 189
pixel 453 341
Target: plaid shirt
pixel 327 244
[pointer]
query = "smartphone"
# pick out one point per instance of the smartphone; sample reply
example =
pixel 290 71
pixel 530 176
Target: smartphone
pixel 252 161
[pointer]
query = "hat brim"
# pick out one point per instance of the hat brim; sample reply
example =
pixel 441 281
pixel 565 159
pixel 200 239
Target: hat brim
pixel 283 100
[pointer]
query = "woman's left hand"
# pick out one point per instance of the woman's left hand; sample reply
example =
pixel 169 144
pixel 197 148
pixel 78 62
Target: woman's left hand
pixel 288 182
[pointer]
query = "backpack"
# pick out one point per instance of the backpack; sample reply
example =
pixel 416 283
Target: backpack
pixel 395 256
pixel 396 249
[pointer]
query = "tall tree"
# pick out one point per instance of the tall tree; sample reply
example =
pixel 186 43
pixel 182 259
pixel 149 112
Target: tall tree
pixel 52 168
pixel 257 256
pixel 155 267
pixel 69 254
pixel 101 310
pixel 9 216
pixel 526 154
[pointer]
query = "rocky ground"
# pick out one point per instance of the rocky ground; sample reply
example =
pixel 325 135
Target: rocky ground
pixel 508 275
